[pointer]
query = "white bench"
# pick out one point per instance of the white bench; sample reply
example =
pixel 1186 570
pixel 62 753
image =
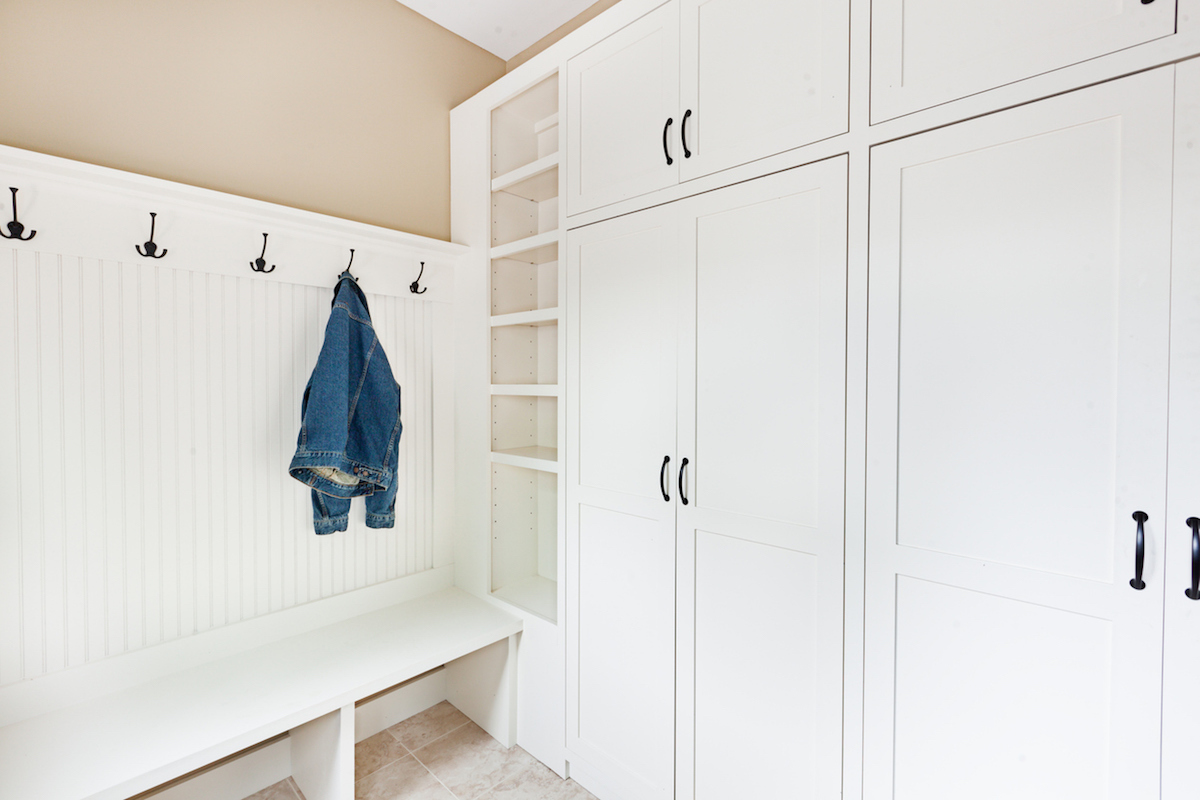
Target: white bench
pixel 126 743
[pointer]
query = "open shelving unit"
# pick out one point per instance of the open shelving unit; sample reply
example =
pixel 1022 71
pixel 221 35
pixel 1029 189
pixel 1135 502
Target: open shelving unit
pixel 527 350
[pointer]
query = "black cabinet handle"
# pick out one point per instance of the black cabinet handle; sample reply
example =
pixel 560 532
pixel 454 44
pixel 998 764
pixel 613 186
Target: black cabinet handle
pixel 683 133
pixel 662 478
pixel 667 152
pixel 682 467
pixel 1140 557
pixel 1194 592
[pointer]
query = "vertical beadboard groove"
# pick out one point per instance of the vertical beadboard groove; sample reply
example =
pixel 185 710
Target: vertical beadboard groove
pixel 19 470
pixel 150 414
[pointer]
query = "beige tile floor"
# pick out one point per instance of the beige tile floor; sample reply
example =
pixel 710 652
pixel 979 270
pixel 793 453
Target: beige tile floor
pixel 441 755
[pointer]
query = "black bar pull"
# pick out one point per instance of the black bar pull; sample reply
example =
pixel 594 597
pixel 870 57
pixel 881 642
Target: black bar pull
pixel 682 467
pixel 666 151
pixel 1194 592
pixel 683 133
pixel 1140 557
pixel 662 478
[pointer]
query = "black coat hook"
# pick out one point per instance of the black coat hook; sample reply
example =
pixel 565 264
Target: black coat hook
pixel 151 247
pixel 414 286
pixel 346 271
pixel 15 229
pixel 260 264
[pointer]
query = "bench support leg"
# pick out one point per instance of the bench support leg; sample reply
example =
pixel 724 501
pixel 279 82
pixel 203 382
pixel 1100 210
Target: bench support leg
pixel 483 685
pixel 323 756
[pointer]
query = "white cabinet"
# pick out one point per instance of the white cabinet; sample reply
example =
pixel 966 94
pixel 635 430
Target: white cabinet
pixel 1020 299
pixel 698 86
pixel 620 532
pixel 706 417
pixel 762 369
pixel 622 113
pixel 926 52
pixel 1181 690
pixel 760 77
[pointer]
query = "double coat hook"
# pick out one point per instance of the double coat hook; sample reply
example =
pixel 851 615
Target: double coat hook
pixel 260 264
pixel 15 229
pixel 414 286
pixel 151 247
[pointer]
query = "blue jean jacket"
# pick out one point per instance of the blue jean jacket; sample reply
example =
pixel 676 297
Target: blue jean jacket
pixel 349 441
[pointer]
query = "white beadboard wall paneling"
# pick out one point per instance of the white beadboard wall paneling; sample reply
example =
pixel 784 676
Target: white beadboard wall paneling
pixel 150 409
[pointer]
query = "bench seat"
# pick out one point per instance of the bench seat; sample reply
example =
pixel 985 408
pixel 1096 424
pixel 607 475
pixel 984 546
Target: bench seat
pixel 126 743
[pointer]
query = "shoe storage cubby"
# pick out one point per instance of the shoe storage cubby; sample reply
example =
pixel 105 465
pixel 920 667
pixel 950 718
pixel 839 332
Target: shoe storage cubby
pixel 527 349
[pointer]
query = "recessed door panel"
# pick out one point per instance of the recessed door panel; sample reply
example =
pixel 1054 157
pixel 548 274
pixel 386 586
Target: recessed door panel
pixel 1019 298
pixel 1009 351
pixel 989 686
pixel 925 52
pixel 626 355
pixel 625 621
pixel 760 696
pixel 758 358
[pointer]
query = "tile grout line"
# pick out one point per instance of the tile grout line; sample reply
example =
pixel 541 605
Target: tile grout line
pixel 410 752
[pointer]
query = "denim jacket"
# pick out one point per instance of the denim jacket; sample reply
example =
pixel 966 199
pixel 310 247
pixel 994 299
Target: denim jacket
pixel 349 441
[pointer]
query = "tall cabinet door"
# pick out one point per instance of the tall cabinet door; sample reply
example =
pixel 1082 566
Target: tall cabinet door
pixel 1017 421
pixel 925 52
pixel 760 77
pixel 1181 690
pixel 622 113
pixel 621 337
pixel 760 515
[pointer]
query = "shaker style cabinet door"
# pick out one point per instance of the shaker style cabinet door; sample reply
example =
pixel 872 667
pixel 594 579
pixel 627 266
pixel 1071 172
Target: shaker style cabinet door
pixel 1181 690
pixel 762 370
pixel 623 113
pixel 1019 298
pixel 926 52
pixel 760 77
pixel 620 532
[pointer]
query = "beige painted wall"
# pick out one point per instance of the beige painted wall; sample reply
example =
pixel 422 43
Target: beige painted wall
pixel 336 106
pixel 541 44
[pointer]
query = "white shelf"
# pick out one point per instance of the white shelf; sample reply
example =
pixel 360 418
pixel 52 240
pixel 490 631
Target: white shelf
pixel 526 389
pixel 536 457
pixel 537 318
pixel 546 124
pixel 538 249
pixel 536 595
pixel 536 181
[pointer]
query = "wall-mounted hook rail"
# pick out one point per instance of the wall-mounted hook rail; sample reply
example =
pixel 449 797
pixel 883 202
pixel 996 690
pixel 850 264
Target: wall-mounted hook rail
pixel 150 247
pixel 260 264
pixel 15 229
pixel 414 287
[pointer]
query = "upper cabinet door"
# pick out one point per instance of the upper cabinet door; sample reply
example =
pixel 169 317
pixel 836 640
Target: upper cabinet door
pixel 760 77
pixel 1181 690
pixel 623 113
pixel 926 52
pixel 1019 293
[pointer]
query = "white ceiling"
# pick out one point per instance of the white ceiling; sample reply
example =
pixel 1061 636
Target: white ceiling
pixel 502 27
